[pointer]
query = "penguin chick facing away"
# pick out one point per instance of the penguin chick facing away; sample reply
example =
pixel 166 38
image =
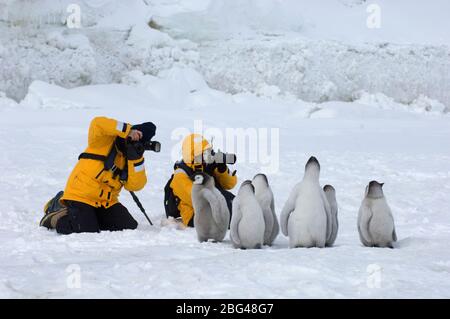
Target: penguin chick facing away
pixel 264 196
pixel 306 216
pixel 330 194
pixel 211 214
pixel 247 223
pixel 375 221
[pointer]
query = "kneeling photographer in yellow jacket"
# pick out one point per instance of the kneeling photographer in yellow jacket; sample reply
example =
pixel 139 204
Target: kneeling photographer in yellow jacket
pixel 113 160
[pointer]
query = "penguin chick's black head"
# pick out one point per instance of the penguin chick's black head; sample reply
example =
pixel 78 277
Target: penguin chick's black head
pixel 263 177
pixel 375 184
pixel 249 184
pixel 328 188
pixel 375 189
pixel 312 161
pixel 200 178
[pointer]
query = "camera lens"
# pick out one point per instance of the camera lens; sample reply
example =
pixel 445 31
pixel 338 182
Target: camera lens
pixel 156 146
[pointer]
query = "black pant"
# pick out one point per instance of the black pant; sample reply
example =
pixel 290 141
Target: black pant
pixel 83 218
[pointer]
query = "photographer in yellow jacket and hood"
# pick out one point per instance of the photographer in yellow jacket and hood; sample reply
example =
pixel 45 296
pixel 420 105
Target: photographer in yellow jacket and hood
pixel 112 160
pixel 197 156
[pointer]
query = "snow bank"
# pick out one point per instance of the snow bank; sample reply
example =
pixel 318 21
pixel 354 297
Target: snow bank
pixel 325 70
pixel 114 39
pixel 422 104
pixel 193 93
pixel 59 56
pixel 236 15
pixel 151 51
pixel 102 13
pixel 401 21
pixel 265 47
pixel 72 58
pixel 6 102
pixel 321 52
pixel 42 95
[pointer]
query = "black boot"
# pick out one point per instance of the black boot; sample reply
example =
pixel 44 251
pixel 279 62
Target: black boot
pixel 53 211
pixel 50 219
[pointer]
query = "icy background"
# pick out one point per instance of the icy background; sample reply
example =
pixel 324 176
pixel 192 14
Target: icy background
pixel 369 103
pixel 315 51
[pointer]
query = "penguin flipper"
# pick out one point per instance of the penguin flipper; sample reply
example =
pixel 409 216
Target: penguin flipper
pixel 276 225
pixel 327 207
pixel 394 235
pixel 269 223
pixel 288 208
pixel 235 220
pixel 363 226
pixel 216 212
pixel 335 227
pixel 285 213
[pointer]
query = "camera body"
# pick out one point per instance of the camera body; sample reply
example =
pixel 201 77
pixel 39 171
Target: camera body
pixel 223 158
pixel 210 157
pixel 141 147
pixel 214 159
pixel 153 146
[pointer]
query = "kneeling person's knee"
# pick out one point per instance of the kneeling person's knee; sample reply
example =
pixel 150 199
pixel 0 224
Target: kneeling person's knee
pixel 117 218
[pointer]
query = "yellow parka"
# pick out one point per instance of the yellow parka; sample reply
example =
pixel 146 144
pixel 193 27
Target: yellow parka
pixel 194 145
pixel 89 183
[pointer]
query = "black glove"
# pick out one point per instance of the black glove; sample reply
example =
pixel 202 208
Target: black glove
pixel 134 150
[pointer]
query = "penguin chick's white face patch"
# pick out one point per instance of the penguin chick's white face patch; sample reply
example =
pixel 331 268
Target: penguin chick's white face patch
pixel 198 179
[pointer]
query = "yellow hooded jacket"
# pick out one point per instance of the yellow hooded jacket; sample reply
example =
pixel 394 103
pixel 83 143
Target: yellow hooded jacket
pixel 89 183
pixel 194 145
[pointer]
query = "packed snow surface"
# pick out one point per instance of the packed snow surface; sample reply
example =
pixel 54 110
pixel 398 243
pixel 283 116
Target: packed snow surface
pixel 405 146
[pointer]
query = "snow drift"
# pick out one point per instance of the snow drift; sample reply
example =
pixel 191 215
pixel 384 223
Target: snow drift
pixel 314 52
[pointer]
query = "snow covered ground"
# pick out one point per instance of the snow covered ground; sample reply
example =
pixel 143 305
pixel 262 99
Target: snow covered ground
pixel 368 103
pixel 355 143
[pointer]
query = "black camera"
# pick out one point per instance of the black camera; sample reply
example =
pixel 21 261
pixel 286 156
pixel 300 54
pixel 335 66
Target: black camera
pixel 153 146
pixel 221 158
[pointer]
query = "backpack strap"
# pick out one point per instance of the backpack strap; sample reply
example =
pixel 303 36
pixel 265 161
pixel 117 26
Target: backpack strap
pixel 92 156
pixel 108 162
pixel 183 166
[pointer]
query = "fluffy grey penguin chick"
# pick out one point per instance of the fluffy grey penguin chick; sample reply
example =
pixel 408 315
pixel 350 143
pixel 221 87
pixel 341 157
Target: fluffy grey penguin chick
pixel 375 221
pixel 264 196
pixel 306 216
pixel 247 223
pixel 330 194
pixel 211 214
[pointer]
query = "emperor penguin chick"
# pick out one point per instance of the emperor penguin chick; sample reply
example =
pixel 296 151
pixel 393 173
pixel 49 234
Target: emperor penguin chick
pixel 375 221
pixel 264 196
pixel 306 216
pixel 211 214
pixel 247 223
pixel 330 194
